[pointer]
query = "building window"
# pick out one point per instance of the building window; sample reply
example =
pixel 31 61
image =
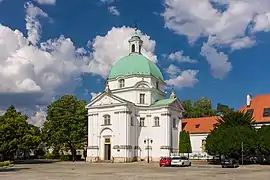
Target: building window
pixel 107 119
pixel 203 145
pixel 121 83
pixel 174 123
pixel 250 112
pixel 142 98
pixel 197 125
pixel 133 48
pixel 156 121
pixel 157 85
pixel 131 121
pixel 142 122
pixel 266 112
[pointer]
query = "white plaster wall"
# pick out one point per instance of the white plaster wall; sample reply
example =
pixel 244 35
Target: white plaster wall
pixel 175 131
pixel 196 142
pixel 123 133
pixel 120 132
pixel 131 93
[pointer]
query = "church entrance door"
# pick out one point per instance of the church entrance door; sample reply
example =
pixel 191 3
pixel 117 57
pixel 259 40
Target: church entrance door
pixel 107 149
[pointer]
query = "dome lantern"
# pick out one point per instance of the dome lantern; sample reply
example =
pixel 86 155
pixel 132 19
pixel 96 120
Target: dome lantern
pixel 135 43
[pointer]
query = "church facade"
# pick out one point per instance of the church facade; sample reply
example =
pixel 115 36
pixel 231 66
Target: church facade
pixel 131 120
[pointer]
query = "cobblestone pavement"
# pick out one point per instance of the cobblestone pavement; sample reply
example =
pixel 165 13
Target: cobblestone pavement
pixel 83 171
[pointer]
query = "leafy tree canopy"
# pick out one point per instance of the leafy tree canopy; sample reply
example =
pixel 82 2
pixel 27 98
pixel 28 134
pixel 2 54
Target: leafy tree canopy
pixel 264 139
pixel 200 108
pixel 16 133
pixel 66 123
pixel 233 129
pixel 228 141
pixel 223 109
pixel 232 119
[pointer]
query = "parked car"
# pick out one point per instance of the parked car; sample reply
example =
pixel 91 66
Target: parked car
pixel 165 162
pixel 226 163
pixel 180 161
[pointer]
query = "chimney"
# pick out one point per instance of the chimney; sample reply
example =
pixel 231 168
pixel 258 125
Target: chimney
pixel 249 98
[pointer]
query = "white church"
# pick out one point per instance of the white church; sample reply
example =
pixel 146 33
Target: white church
pixel 131 120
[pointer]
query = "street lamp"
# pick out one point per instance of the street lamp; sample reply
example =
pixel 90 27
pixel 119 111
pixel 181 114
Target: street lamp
pixel 85 144
pixel 148 141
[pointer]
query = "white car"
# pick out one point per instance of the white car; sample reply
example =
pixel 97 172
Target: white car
pixel 180 161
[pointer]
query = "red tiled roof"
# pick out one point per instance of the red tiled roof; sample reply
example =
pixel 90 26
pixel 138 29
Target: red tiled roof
pixel 199 125
pixel 258 103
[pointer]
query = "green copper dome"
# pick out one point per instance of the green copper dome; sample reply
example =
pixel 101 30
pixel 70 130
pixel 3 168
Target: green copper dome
pixel 135 64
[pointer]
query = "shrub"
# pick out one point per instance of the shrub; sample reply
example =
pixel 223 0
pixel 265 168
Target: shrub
pixel 49 156
pixel 64 157
pixel 6 164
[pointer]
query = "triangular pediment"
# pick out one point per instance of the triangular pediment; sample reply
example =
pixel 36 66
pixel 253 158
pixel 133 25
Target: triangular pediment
pixel 105 99
pixel 177 105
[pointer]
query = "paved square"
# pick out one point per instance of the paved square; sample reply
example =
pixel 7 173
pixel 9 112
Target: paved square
pixel 83 171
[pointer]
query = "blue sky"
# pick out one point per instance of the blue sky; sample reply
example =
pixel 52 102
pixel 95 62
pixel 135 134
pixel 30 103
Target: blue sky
pixel 229 39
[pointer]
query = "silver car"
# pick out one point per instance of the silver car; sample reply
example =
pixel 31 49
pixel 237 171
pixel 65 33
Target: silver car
pixel 180 161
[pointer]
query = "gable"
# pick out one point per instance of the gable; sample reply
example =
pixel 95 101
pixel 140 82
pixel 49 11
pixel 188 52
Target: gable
pixel 105 99
pixel 177 105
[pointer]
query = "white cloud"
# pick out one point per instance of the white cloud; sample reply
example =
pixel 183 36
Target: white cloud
pixel 113 10
pixel 218 61
pixel 229 25
pixel 114 45
pixel 46 1
pixel 173 70
pixel 262 22
pixel 93 95
pixel 33 26
pixel 39 117
pixel 107 1
pixel 34 73
pixel 186 78
pixel 178 56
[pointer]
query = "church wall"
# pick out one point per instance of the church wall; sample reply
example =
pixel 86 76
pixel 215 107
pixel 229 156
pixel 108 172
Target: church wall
pixel 176 131
pixel 159 135
pixel 117 132
pixel 129 82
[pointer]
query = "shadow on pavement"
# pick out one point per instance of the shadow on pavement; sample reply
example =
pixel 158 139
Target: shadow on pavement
pixel 35 161
pixel 12 169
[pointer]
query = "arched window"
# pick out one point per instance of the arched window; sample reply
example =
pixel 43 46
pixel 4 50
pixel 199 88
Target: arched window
pixel 157 84
pixel 107 119
pixel 156 121
pixel 121 83
pixel 133 48
pixel 140 48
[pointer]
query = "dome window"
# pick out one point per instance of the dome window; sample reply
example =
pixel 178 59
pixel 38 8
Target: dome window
pixel 121 83
pixel 133 48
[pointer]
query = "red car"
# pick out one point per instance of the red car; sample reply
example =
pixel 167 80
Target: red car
pixel 165 162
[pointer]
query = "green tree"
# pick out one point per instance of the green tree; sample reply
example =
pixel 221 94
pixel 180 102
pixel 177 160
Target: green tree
pixel 184 142
pixel 200 108
pixel 17 134
pixel 264 140
pixel 233 119
pixel 223 109
pixel 228 141
pixel 65 124
pixel 233 129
